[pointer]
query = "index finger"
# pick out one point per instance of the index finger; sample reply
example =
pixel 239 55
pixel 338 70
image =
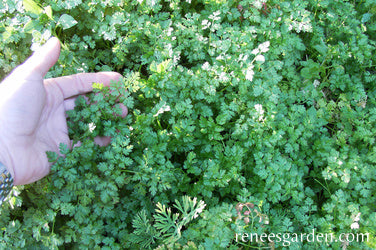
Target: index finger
pixel 82 83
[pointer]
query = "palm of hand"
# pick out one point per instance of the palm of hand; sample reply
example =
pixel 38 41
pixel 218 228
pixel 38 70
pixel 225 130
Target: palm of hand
pixel 32 110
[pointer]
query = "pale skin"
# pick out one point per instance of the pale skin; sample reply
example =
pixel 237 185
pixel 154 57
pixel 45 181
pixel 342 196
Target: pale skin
pixel 32 112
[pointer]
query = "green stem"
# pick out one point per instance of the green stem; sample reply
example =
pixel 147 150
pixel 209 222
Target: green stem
pixel 324 186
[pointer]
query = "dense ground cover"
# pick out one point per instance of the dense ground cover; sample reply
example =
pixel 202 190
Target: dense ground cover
pixel 244 117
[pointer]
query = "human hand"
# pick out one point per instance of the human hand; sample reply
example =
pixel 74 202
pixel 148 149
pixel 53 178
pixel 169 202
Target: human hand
pixel 32 112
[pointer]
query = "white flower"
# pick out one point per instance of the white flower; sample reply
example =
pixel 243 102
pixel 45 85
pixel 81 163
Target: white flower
pixel 249 73
pixel 92 127
pixel 163 109
pixel 205 24
pixel 223 77
pixel 243 57
pixel 259 109
pixel 215 16
pixel 169 32
pixel 257 4
pixel 357 217
pixel 355 225
pixel 362 102
pixel 264 47
pixel 260 58
pixel 255 51
pixel 206 66
pixel 316 83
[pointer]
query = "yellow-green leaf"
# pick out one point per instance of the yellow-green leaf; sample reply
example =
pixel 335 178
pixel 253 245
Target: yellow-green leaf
pixel 31 6
pixel 30 26
pixel 48 11
pixel 67 21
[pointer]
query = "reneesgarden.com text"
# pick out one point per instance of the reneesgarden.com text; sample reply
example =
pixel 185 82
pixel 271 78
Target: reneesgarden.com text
pixel 289 238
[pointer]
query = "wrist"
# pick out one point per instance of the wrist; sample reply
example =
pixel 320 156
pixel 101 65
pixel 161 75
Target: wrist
pixel 6 160
pixel 6 183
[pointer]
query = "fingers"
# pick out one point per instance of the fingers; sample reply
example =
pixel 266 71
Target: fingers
pixel 99 140
pixel 69 104
pixel 79 84
pixel 102 140
pixel 43 59
pixel 124 110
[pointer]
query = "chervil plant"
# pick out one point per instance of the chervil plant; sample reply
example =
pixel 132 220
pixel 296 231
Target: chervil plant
pixel 244 117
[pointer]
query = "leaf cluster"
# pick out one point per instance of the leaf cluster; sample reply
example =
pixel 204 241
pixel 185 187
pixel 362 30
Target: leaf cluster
pixel 269 103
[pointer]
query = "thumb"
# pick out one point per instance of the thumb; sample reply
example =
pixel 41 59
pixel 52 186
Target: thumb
pixel 43 59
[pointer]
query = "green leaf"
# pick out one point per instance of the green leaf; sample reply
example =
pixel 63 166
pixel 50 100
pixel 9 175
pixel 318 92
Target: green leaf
pixel 31 6
pixel 311 70
pixel 366 17
pixel 67 21
pixel 48 11
pixel 160 68
pixel 30 26
pixel 52 156
pixel 321 48
pixel 63 148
